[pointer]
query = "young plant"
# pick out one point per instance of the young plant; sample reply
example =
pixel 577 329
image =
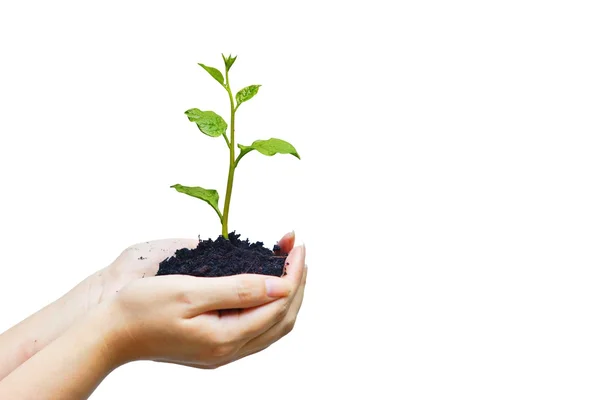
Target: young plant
pixel 211 124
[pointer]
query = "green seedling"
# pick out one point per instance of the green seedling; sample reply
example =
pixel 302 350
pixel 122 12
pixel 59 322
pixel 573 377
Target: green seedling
pixel 211 124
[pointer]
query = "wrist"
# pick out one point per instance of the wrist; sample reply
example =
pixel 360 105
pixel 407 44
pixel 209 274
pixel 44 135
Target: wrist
pixel 87 352
pixel 31 335
pixel 107 333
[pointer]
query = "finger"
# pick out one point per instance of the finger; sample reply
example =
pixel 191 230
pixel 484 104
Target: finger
pixel 294 265
pixel 249 323
pixel 278 330
pixel 286 244
pixel 266 339
pixel 236 291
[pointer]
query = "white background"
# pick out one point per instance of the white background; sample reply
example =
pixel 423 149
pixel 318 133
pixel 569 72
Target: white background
pixel 448 192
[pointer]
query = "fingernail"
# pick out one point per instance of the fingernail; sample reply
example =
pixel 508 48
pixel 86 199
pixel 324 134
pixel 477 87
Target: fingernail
pixel 277 287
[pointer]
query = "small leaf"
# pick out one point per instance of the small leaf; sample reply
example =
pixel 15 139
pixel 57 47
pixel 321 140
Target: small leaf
pixel 208 122
pixel 208 195
pixel 228 61
pixel 246 94
pixel 269 147
pixel 215 73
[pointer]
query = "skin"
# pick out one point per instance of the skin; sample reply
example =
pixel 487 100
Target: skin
pixel 124 313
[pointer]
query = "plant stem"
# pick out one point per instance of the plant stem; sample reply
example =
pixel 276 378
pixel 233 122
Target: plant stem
pixel 226 140
pixel 231 144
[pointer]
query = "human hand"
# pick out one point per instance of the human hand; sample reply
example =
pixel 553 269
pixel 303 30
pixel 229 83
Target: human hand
pixel 32 335
pixel 207 322
pixel 141 261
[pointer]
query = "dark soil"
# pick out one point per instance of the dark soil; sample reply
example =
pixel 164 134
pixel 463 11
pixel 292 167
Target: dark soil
pixel 224 257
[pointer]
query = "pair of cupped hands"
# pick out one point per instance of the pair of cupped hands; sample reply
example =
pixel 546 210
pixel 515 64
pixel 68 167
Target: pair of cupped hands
pixel 191 321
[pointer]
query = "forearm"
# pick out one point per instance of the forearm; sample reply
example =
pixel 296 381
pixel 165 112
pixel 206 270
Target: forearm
pixel 72 366
pixel 24 340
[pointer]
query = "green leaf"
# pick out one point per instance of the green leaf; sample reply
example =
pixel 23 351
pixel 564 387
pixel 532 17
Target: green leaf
pixel 215 73
pixel 208 122
pixel 228 61
pixel 246 93
pixel 208 195
pixel 268 148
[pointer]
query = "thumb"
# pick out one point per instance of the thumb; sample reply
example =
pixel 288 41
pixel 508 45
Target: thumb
pixel 237 291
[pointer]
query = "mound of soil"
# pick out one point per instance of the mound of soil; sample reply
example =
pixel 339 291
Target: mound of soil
pixel 224 257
